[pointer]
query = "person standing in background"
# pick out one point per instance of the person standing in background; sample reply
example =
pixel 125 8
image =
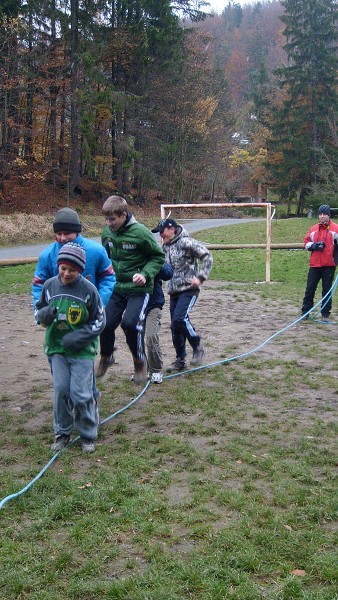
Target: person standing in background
pixel 321 240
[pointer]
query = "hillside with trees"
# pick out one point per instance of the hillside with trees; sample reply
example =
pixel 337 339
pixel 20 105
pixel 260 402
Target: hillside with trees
pixel 161 100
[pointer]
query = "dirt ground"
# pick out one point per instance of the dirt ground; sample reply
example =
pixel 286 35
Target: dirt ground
pixel 231 323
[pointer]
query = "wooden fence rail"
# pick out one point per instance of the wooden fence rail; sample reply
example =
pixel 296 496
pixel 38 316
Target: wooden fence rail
pixel 7 262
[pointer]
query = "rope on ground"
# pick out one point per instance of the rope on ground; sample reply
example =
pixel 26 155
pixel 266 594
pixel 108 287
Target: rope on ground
pixel 214 364
pixel 39 475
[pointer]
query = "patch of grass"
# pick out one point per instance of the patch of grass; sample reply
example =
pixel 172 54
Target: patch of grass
pixel 219 485
pixel 17 279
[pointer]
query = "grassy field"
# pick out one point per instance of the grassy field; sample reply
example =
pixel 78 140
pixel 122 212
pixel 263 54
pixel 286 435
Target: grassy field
pixel 218 485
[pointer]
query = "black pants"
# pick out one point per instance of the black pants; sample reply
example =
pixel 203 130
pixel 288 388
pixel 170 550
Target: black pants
pixel 181 327
pixel 129 311
pixel 315 274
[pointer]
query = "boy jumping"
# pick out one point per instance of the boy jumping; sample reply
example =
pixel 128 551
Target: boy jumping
pixel 136 258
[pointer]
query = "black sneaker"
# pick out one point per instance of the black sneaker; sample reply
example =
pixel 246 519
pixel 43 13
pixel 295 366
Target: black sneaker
pixel 178 365
pixel 60 442
pixel 197 356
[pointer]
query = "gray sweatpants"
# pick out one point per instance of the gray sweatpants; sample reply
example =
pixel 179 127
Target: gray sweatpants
pixel 73 390
pixel 154 352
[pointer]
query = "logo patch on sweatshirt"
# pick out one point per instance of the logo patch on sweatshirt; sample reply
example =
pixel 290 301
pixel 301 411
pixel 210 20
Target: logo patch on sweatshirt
pixel 74 315
pixel 129 246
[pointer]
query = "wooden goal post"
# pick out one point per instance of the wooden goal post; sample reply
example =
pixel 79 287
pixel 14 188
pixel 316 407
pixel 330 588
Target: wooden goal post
pixel 266 205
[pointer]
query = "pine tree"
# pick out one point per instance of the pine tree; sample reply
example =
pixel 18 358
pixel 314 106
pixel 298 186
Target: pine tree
pixel 302 125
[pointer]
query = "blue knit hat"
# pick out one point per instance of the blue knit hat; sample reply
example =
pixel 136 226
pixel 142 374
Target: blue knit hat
pixel 324 209
pixel 72 254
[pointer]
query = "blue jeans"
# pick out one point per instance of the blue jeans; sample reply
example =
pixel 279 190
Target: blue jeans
pixel 73 391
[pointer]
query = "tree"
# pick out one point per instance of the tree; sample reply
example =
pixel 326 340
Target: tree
pixel 74 116
pixel 301 126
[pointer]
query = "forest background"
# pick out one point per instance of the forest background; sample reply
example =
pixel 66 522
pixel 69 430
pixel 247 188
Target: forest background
pixel 165 103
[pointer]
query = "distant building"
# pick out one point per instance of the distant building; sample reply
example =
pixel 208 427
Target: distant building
pixel 249 191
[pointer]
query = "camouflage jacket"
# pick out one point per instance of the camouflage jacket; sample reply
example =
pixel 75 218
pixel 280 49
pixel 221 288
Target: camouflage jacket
pixel 188 258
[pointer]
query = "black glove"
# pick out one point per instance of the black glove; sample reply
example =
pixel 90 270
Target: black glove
pixel 72 342
pixel 317 246
pixel 45 316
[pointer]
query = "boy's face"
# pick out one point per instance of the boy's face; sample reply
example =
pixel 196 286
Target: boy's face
pixel 67 273
pixel 324 219
pixel 63 237
pixel 115 222
pixel 167 234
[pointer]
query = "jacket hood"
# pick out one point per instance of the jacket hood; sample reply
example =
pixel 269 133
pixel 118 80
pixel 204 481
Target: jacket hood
pixel 130 220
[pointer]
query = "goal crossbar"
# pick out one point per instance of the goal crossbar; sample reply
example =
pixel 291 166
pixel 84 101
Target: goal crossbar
pixel 266 205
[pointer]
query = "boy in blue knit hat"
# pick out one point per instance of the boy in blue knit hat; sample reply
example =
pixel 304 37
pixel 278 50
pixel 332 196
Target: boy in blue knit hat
pixel 71 309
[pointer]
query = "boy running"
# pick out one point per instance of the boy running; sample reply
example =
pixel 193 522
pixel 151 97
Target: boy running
pixel 72 310
pixel 136 258
pixel 191 262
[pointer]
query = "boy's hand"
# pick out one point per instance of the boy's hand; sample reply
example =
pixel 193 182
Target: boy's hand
pixel 196 282
pixel 45 315
pixel 139 279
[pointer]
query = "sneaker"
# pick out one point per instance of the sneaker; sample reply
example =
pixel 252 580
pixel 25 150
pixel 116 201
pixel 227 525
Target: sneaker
pixel 325 318
pixel 60 442
pixel 197 356
pixel 140 371
pixel 103 364
pixel 178 365
pixel 87 445
pixel 156 378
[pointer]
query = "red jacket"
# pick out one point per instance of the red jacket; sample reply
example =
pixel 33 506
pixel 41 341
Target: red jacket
pixel 322 233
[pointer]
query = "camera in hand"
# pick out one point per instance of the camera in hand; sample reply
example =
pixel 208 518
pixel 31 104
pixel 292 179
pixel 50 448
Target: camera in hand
pixel 318 246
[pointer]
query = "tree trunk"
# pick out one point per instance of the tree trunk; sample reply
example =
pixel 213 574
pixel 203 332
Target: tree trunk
pixel 28 135
pixel 74 183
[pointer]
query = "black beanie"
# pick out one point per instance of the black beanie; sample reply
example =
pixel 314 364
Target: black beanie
pixel 67 219
pixel 72 254
pixel 324 209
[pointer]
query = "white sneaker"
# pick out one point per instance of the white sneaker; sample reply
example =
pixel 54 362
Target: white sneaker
pixel 156 378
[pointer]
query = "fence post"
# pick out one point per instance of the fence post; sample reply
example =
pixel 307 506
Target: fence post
pixel 268 242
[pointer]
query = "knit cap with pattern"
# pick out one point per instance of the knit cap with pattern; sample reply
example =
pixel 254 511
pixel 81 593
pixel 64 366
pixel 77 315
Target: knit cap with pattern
pixel 72 254
pixel 324 209
pixel 67 219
